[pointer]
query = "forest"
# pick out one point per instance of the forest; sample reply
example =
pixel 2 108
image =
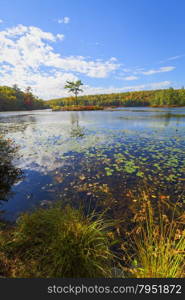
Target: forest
pixel 13 98
pixel 164 97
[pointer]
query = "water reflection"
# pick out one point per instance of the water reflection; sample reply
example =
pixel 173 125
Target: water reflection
pixel 76 130
pixel 72 155
pixel 9 174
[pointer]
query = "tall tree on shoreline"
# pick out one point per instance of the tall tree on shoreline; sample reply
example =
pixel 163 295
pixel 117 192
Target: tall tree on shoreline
pixel 28 98
pixel 74 87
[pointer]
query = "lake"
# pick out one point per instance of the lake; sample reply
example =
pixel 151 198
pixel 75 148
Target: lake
pixel 94 159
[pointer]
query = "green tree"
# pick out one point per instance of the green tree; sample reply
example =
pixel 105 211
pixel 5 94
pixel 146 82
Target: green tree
pixel 74 87
pixel 12 98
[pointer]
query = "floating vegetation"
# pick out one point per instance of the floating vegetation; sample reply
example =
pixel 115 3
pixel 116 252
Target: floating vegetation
pixel 77 131
pixel 74 158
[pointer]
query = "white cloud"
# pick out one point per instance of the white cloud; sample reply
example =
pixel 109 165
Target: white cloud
pixel 28 58
pixel 64 20
pixel 137 70
pixel 172 58
pixel 1 21
pixel 113 59
pixel 160 70
pixel 101 90
pixel 60 36
pixel 126 70
pixel 96 69
pixel 132 77
pixel 176 57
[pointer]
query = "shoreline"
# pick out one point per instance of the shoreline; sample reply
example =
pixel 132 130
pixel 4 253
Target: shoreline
pixel 111 108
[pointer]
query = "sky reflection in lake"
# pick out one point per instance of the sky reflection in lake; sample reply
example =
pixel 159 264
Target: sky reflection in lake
pixel 57 148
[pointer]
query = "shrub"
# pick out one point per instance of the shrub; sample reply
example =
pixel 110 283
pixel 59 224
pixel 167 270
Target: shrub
pixel 56 108
pixel 81 108
pixel 58 242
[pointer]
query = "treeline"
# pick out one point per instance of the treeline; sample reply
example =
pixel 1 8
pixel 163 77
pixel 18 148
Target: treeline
pixel 12 98
pixel 165 97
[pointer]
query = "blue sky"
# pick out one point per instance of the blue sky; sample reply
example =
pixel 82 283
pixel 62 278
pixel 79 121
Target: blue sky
pixel 112 46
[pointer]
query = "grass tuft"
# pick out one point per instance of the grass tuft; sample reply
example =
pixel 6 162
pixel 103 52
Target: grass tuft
pixel 58 242
pixel 158 242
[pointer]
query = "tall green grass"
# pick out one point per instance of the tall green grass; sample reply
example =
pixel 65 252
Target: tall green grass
pixel 58 242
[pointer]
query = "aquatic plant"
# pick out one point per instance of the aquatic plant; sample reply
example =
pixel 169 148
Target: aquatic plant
pixel 158 241
pixel 77 132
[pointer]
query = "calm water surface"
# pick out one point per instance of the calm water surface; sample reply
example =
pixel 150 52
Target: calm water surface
pixel 95 158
